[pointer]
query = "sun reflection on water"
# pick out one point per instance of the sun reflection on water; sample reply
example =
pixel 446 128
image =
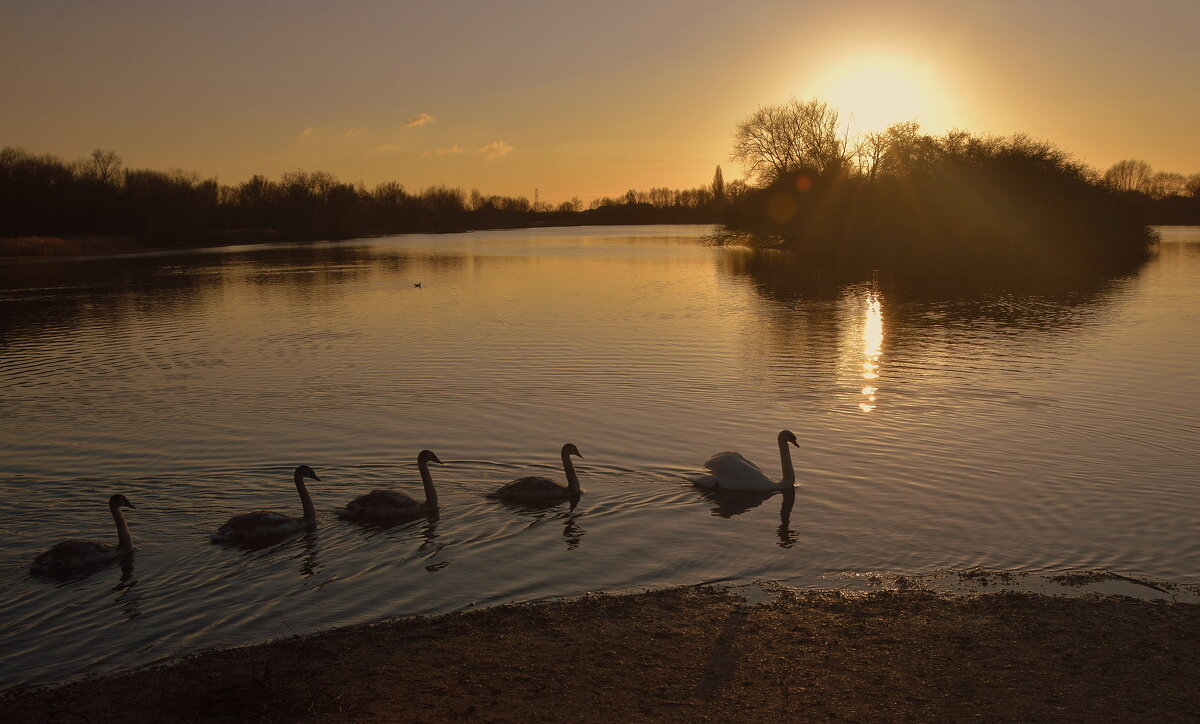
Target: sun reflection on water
pixel 872 340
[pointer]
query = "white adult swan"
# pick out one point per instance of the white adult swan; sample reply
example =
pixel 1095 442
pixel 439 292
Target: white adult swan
pixel 79 553
pixel 268 524
pixel 539 488
pixel 392 504
pixel 732 471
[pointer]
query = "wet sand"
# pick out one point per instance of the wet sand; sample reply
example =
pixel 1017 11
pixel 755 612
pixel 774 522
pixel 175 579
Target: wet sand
pixel 689 654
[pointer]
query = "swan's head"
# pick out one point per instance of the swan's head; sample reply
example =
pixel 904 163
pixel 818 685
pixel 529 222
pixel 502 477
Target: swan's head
pixel 120 501
pixel 788 436
pixel 570 449
pixel 427 456
pixel 306 472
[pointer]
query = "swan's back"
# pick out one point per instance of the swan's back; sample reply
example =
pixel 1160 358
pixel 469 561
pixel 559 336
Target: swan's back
pixel 73 554
pixel 532 487
pixel 259 524
pixel 380 504
pixel 733 471
pixel 384 499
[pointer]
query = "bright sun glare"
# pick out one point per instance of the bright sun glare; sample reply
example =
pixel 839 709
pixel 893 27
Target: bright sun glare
pixel 873 92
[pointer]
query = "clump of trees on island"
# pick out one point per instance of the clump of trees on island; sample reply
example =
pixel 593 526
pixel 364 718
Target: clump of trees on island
pixel 888 199
pixel 902 198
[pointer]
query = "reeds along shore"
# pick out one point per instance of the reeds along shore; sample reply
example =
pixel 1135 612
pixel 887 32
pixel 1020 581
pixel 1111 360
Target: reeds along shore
pixel 688 654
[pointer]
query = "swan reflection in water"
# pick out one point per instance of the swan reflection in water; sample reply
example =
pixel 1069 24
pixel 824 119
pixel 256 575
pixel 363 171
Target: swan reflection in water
pixel 309 566
pixel 129 599
pixel 124 593
pixel 542 511
pixel 302 548
pixel 787 536
pixel 423 527
pixel 730 503
pixel 430 545
pixel 572 531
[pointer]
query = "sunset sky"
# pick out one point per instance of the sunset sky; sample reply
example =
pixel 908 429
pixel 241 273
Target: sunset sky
pixel 578 99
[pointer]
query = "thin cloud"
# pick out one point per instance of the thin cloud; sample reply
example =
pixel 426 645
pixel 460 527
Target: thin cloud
pixel 496 149
pixel 493 150
pixel 308 132
pixel 387 148
pixel 420 119
pixel 353 132
pixel 451 151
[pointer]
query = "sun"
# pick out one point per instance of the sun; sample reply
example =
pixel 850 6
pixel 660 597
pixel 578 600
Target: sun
pixel 874 91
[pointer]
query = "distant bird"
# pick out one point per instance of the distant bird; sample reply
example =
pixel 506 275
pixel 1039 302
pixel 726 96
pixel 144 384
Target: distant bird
pixel 78 553
pixel 416 284
pixel 539 488
pixel 393 504
pixel 732 471
pixel 267 524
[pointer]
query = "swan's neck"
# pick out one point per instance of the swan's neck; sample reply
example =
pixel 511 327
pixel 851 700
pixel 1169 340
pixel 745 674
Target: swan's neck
pixel 124 539
pixel 785 459
pixel 431 500
pixel 310 513
pixel 569 469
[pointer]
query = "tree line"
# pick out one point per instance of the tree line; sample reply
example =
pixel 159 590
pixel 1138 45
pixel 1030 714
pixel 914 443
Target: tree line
pixel 902 198
pixel 44 196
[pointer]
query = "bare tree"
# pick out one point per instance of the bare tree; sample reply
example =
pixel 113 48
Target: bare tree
pixel 869 151
pixel 795 135
pixel 1193 185
pixel 103 166
pixel 1129 175
pixel 1166 183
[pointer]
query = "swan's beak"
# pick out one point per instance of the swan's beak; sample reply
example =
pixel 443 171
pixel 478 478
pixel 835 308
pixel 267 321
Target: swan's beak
pixel 316 477
pixel 130 505
pixel 793 441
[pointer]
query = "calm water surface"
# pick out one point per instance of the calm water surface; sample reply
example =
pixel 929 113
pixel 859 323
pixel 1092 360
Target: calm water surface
pixel 1026 428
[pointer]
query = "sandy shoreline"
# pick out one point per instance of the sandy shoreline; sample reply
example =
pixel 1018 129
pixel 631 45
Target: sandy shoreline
pixel 687 654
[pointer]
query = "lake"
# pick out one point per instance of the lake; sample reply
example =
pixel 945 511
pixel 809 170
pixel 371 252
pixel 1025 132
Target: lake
pixel 1037 427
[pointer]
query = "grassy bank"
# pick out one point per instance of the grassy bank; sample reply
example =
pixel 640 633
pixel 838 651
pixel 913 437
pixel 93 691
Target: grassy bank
pixel 689 654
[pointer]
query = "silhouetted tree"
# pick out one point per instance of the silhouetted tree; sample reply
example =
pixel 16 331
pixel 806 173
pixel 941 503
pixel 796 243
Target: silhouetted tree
pixel 718 186
pixel 957 202
pixel 1164 184
pixel 1128 175
pixel 102 166
pixel 1193 185
pixel 789 137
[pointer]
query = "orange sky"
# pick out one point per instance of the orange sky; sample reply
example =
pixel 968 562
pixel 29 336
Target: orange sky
pixel 577 99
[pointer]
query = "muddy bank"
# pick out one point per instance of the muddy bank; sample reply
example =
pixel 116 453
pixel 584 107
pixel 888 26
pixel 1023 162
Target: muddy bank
pixel 689 654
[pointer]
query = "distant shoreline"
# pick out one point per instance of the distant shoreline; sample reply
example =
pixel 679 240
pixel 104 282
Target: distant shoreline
pixel 114 246
pixel 688 653
pixel 133 249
